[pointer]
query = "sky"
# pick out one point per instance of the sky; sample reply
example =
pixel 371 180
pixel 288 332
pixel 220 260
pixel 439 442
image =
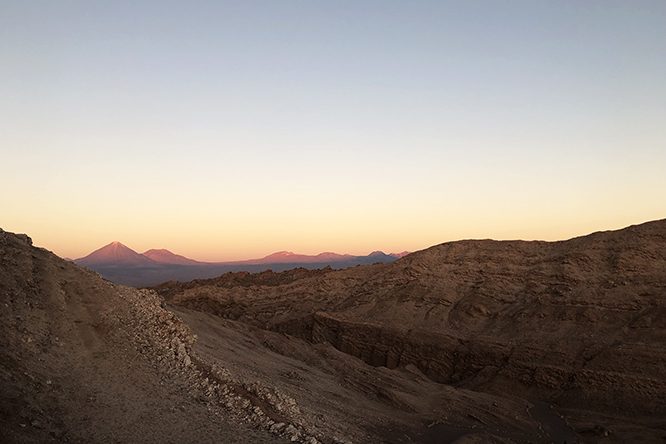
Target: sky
pixel 229 130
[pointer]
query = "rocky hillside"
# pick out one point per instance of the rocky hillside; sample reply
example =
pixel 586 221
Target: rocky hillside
pixel 578 324
pixel 83 360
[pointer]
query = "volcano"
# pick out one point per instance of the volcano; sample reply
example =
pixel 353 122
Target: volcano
pixel 115 254
pixel 164 256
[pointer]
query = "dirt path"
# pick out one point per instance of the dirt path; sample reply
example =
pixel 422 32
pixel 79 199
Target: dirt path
pixel 68 375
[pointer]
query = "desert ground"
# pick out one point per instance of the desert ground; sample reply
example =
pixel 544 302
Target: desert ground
pixel 469 341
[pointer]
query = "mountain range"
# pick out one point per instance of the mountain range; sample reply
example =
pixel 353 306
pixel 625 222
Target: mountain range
pixel 121 264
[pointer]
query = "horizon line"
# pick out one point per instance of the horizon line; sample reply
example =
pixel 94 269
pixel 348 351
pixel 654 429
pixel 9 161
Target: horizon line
pixel 373 251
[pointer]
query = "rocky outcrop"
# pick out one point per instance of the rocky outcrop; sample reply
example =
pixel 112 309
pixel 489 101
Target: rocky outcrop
pixel 541 371
pixel 580 323
pixel 76 347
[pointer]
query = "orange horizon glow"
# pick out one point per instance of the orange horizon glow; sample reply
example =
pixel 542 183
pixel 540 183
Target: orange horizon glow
pixel 235 252
pixel 230 131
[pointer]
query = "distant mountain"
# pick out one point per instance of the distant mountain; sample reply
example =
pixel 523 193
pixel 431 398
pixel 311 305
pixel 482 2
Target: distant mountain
pixel 399 255
pixel 115 254
pixel 122 265
pixel 287 257
pixel 379 254
pixel 163 256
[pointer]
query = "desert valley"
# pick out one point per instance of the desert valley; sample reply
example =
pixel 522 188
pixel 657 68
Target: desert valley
pixel 469 341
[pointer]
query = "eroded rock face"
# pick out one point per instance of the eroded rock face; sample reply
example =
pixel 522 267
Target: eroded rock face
pixel 581 323
pixel 486 362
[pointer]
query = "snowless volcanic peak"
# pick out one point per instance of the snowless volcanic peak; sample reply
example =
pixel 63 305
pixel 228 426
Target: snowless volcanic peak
pixel 279 254
pixel 114 253
pixel 379 254
pixel 288 257
pixel 331 256
pixel 284 257
pixel 164 256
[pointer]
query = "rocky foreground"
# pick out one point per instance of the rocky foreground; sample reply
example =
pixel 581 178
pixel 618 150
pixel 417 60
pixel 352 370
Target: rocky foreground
pixel 472 341
pixel 83 360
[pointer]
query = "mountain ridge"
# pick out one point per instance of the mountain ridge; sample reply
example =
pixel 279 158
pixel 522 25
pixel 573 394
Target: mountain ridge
pixel 107 255
pixel 164 256
pixel 120 264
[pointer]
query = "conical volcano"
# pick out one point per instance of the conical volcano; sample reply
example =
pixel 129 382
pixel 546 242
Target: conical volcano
pixel 115 253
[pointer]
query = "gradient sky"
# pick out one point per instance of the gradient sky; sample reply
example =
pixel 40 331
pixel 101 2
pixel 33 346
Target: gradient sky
pixel 228 130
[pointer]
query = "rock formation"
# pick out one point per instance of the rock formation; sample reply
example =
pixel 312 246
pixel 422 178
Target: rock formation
pixel 580 324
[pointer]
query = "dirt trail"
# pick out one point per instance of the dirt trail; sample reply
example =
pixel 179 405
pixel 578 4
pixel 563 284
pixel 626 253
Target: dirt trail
pixel 71 371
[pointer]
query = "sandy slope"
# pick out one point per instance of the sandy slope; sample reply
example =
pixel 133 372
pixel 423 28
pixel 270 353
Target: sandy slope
pixel 82 360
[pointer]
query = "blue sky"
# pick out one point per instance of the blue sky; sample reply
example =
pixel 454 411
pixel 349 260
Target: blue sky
pixel 314 125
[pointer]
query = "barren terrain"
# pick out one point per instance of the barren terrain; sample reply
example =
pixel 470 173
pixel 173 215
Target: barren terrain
pixel 574 329
pixel 83 360
pixel 470 341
